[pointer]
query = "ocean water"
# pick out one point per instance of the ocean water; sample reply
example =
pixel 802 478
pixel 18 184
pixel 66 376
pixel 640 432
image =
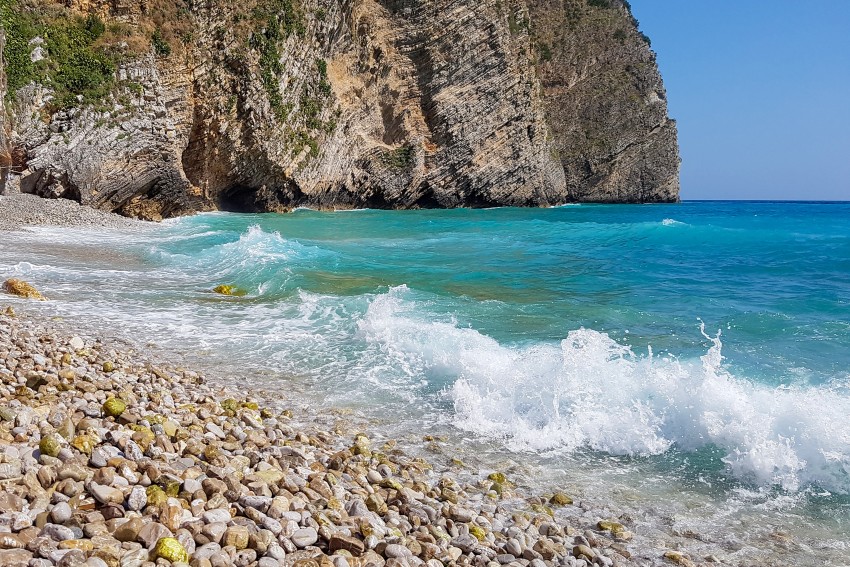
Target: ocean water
pixel 687 365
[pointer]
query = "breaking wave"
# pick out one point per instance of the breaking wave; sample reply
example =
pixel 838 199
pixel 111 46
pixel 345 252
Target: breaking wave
pixel 589 391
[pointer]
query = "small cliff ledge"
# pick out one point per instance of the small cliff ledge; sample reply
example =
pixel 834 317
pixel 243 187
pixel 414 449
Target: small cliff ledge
pixel 165 107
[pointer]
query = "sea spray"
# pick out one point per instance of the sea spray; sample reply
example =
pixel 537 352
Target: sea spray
pixel 598 394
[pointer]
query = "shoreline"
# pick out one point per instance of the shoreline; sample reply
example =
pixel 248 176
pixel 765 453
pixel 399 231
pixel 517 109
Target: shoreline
pixel 238 469
pixel 654 530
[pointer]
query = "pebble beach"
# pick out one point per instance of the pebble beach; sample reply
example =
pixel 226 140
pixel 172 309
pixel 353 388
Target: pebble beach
pixel 20 210
pixel 108 459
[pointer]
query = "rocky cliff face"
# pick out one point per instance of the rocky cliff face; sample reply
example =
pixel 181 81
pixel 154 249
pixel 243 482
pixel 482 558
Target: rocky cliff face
pixel 352 103
pixel 5 126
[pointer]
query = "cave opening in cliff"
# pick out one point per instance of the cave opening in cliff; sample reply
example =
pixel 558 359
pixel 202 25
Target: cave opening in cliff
pixel 239 199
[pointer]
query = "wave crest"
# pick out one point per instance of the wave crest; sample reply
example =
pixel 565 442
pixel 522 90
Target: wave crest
pixel 592 392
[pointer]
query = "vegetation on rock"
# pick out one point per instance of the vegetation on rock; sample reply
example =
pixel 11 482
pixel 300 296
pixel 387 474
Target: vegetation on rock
pixel 160 46
pixel 398 158
pixel 67 52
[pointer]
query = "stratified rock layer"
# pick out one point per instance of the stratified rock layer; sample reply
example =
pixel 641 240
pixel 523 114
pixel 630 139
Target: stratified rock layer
pixel 386 104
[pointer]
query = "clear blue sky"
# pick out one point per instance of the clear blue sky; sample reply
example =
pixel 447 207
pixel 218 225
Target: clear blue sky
pixel 761 93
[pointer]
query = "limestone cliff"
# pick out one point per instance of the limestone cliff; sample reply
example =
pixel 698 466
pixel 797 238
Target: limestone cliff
pixel 171 107
pixel 5 125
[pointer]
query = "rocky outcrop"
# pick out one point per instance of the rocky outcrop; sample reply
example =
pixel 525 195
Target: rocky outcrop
pixel 605 103
pixel 360 103
pixel 5 125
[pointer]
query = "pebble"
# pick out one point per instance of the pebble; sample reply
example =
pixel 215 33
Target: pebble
pixel 206 551
pixel 151 533
pixel 191 485
pixel 395 550
pixel 275 551
pixel 137 499
pixel 60 513
pixel 216 515
pixel 99 457
pixel 347 543
pixel 513 547
pixel 304 537
pixel 21 210
pixel 133 452
pixel 215 430
pixel 129 530
pixel 236 536
pixel 105 494
pixel 57 532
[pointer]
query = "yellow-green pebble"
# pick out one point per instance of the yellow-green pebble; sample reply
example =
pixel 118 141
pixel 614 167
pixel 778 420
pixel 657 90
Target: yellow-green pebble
pixel 540 509
pixel 171 549
pixel 477 531
pixel 114 407
pixel 170 427
pixel 224 289
pixel 50 445
pixel 156 496
pixel 172 488
pixel 611 526
pixel 393 484
pixel 108 366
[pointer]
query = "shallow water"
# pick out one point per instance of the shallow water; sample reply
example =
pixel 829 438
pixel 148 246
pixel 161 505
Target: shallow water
pixel 686 364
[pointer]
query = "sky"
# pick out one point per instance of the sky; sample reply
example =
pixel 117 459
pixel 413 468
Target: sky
pixel 761 94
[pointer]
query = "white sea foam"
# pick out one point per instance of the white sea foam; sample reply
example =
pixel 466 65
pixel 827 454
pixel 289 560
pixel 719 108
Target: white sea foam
pixel 671 222
pixel 591 392
pixel 258 259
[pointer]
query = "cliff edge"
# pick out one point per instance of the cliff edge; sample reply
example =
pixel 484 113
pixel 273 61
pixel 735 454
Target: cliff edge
pixel 164 108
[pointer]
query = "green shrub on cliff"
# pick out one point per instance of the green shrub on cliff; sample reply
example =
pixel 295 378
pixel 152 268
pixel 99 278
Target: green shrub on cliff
pixel 75 62
pixel 399 158
pixel 160 46
pixel 20 29
pixel 274 20
pixel 545 51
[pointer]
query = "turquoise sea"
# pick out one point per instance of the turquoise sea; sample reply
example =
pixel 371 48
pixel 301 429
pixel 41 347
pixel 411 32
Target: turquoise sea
pixel 687 364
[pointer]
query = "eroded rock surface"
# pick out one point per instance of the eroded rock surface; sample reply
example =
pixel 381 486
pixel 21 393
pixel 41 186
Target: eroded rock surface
pixel 360 103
